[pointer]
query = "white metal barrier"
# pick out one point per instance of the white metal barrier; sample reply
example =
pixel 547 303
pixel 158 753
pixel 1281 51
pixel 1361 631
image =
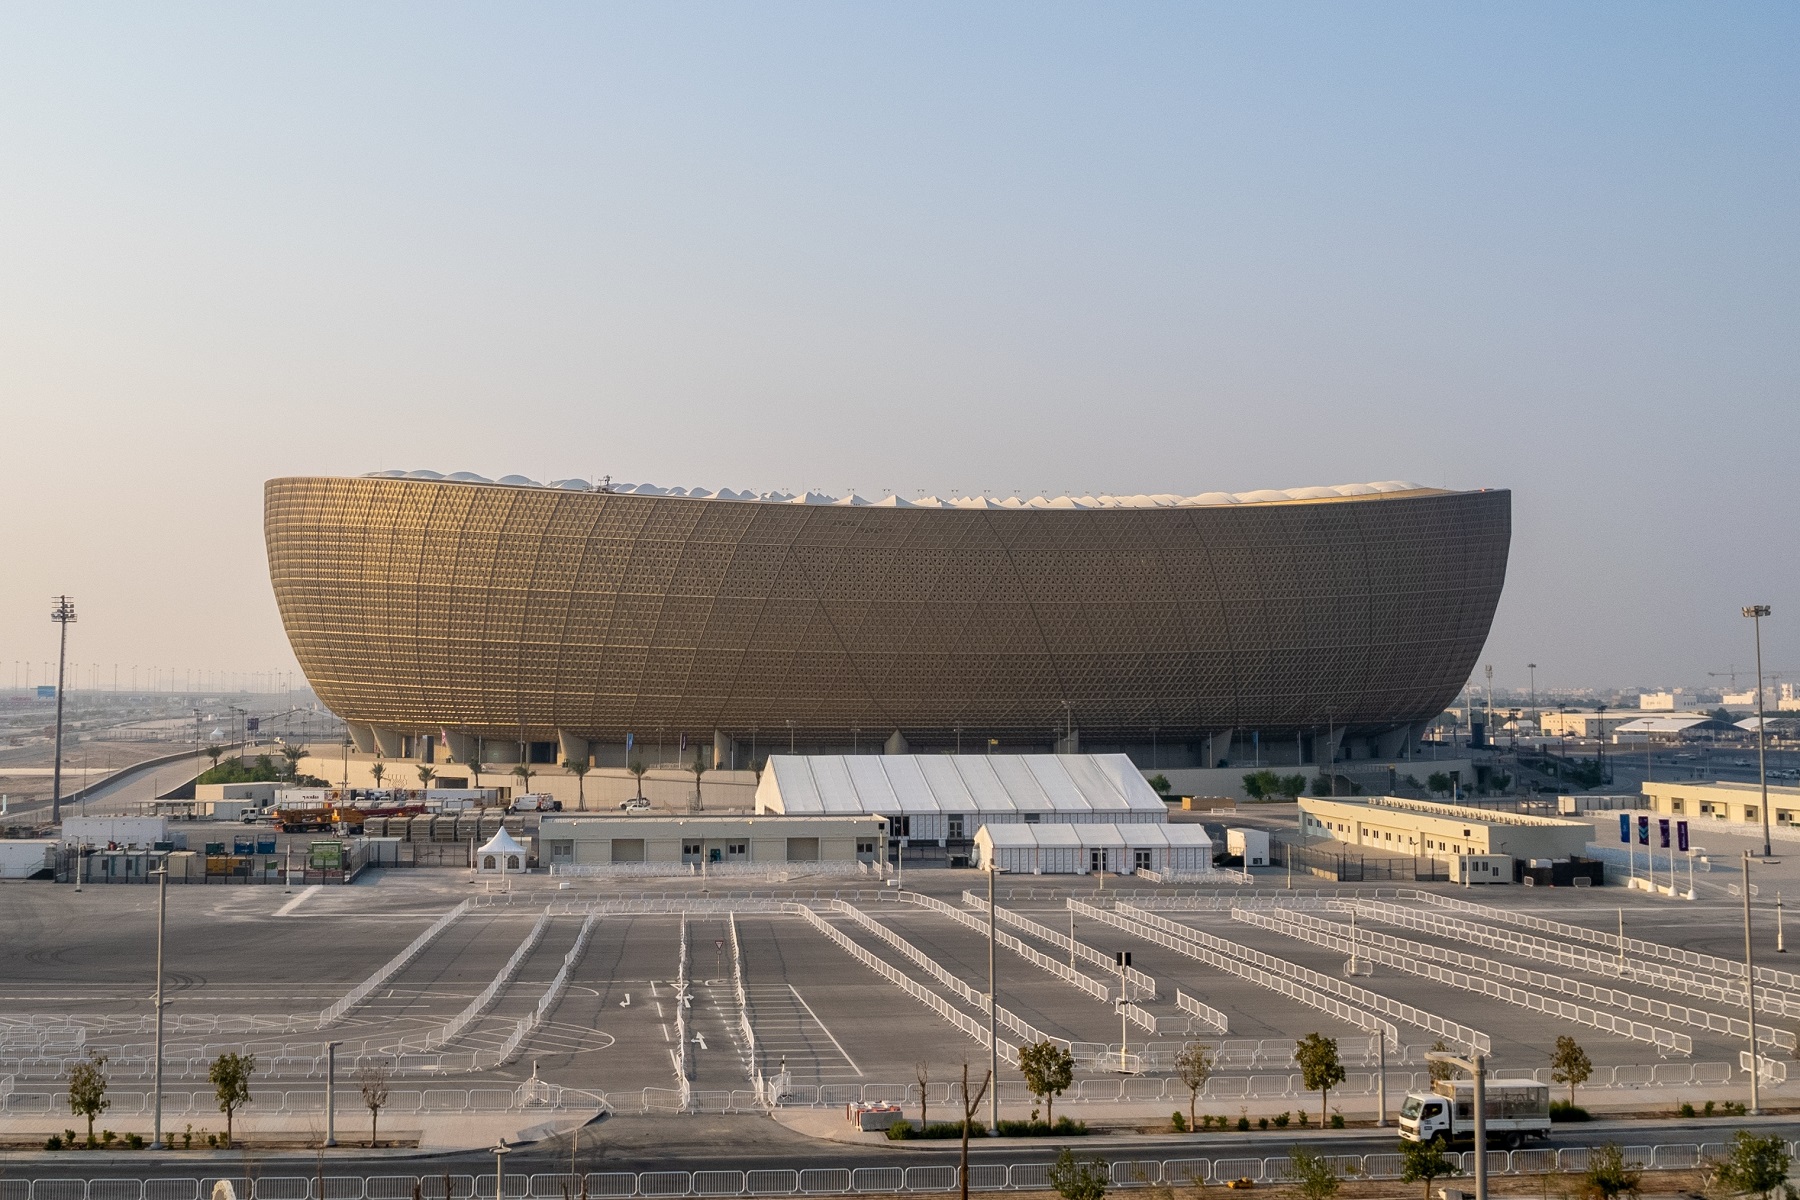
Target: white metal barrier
pixel 363 990
pixel 1416 958
pixel 1206 1014
pixel 1188 940
pixel 450 1030
pixel 1062 941
pixel 1035 957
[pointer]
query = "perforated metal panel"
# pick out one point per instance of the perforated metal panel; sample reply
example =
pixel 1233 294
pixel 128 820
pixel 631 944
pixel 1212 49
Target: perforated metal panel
pixel 514 612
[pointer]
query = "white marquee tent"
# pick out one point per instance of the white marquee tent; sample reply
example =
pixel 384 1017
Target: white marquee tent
pixel 1082 849
pixel 938 796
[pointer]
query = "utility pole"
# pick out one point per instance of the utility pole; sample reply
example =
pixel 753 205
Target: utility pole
pixel 1756 612
pixel 162 914
pixel 993 1005
pixel 63 614
pixel 1750 995
pixel 1475 1065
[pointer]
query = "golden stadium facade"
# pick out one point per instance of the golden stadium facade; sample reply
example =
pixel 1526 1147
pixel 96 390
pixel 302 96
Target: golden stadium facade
pixel 420 605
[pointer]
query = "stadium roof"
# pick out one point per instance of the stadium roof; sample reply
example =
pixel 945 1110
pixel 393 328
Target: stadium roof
pixel 1342 491
pixel 955 783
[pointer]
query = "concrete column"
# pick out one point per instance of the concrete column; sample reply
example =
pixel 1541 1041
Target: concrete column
pixel 896 744
pixel 461 746
pixel 724 752
pixel 362 737
pixel 571 748
pixel 389 742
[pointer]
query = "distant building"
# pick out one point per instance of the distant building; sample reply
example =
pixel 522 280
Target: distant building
pixel 1670 701
pixel 706 840
pixel 1422 829
pixel 1739 803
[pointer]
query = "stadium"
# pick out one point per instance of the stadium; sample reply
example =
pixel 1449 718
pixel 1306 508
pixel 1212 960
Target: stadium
pixel 571 621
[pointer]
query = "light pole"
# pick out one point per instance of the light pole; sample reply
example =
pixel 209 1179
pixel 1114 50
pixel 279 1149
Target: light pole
pixel 1756 612
pixel 1476 1065
pixel 1750 994
pixel 993 870
pixel 64 615
pixel 500 1151
pixel 162 914
pixel 331 1092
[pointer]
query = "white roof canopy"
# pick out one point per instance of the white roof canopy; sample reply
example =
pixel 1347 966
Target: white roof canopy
pixel 1133 837
pixel 502 843
pixel 902 784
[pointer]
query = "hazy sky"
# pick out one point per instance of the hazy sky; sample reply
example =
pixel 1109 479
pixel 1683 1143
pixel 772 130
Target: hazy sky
pixel 1121 247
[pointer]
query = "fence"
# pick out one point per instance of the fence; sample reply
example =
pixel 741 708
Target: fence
pixel 361 991
pixel 1416 958
pixel 716 870
pixel 1188 940
pixel 1036 958
pixel 1206 1014
pixel 1671 979
pixel 1692 958
pixel 1063 941
pixel 450 1030
pixel 831 1181
pixel 957 987
pixel 929 999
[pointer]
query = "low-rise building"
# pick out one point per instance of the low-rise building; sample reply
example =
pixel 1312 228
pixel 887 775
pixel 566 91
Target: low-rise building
pixel 1735 802
pixel 1082 849
pixel 1422 829
pixel 578 840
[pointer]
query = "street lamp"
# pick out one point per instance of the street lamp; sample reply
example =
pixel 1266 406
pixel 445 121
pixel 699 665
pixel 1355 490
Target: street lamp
pixel 162 914
pixel 1756 612
pixel 64 615
pixel 1750 994
pixel 993 871
pixel 1475 1065
pixel 331 1092
pixel 500 1151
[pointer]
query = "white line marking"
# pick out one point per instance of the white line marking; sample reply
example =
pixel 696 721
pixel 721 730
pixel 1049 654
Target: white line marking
pixel 297 901
pixel 821 1025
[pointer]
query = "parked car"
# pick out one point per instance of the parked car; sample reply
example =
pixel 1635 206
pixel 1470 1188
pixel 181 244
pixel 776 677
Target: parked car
pixel 635 804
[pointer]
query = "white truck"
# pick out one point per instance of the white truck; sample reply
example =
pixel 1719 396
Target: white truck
pixel 1516 1110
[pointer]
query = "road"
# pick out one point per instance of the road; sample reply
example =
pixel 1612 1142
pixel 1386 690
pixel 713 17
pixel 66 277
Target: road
pixel 697 1143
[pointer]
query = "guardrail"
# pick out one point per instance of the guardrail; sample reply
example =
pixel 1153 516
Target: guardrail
pixel 1062 941
pixel 1354 998
pixel 1417 958
pixel 1123 1173
pixel 1206 1014
pixel 1035 957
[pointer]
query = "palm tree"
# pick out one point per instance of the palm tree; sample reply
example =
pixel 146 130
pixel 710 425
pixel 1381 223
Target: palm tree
pixel 214 753
pixel 524 774
pixel 426 775
pixel 293 754
pixel 699 769
pixel 378 771
pixel 578 767
pixel 637 769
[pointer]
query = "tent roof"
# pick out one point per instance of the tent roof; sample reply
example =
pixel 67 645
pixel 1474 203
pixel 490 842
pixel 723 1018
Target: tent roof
pixel 1133 836
pixel 501 843
pixel 954 783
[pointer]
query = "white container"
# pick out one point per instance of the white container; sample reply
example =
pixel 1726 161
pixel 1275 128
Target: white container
pixel 22 860
pixel 1252 845
pixel 115 831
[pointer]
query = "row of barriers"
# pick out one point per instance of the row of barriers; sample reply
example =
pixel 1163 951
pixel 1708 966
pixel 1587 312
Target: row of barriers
pixel 829 1181
pixel 1104 1090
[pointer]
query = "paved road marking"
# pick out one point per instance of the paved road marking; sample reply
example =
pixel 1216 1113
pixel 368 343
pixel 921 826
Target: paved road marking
pixel 828 1033
pixel 297 901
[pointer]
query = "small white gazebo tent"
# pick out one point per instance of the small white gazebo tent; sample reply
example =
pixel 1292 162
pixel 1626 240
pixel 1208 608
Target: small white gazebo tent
pixel 501 856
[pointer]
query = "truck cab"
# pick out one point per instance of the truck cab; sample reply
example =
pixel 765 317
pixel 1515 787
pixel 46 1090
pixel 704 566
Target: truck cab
pixel 1424 1116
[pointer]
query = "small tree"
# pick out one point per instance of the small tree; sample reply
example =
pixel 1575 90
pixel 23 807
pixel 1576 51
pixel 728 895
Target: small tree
pixel 1424 1162
pixel 970 1106
pixel 372 1077
pixel 294 756
pixel 923 1070
pixel 87 1089
pixel 1292 786
pixel 1608 1175
pixel 1159 784
pixel 1262 785
pixel 230 1076
pixel 426 775
pixel 215 753
pixel 1758 1166
pixel 1438 782
pixel 523 774
pixel 1194 1066
pixel 1437 1069
pixel 378 770
pixel 1079 1178
pixel 637 769
pixel 578 767
pixel 1313 1174
pixel 1049 1071
pixel 699 768
pixel 1569 1064
pixel 1320 1067
pixel 1321 785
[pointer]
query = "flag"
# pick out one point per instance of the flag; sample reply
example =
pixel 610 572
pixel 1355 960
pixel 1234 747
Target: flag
pixel 1625 828
pixel 1681 840
pixel 1662 826
pixel 1643 831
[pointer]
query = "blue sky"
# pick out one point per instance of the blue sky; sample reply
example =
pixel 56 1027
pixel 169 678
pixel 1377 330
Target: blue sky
pixel 940 248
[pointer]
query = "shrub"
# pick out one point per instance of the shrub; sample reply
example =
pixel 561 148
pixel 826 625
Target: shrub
pixel 1687 1109
pixel 1262 1122
pixel 53 1143
pixel 1177 1122
pixel 1337 1120
pixel 1244 1124
pixel 1062 1127
pixel 1562 1110
pixel 134 1141
pixel 1300 1117
pixel 1316 1178
pixel 1608 1176
pixel 1079 1179
pixel 901 1131
pixel 1281 1120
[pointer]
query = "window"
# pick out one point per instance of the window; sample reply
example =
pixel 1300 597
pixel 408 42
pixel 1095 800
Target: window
pixel 690 852
pixel 487 862
pixel 562 851
pixel 1675 804
pixel 902 826
pixel 1750 812
pixel 956 827
pixel 1141 860
pixel 1032 818
pixel 737 849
